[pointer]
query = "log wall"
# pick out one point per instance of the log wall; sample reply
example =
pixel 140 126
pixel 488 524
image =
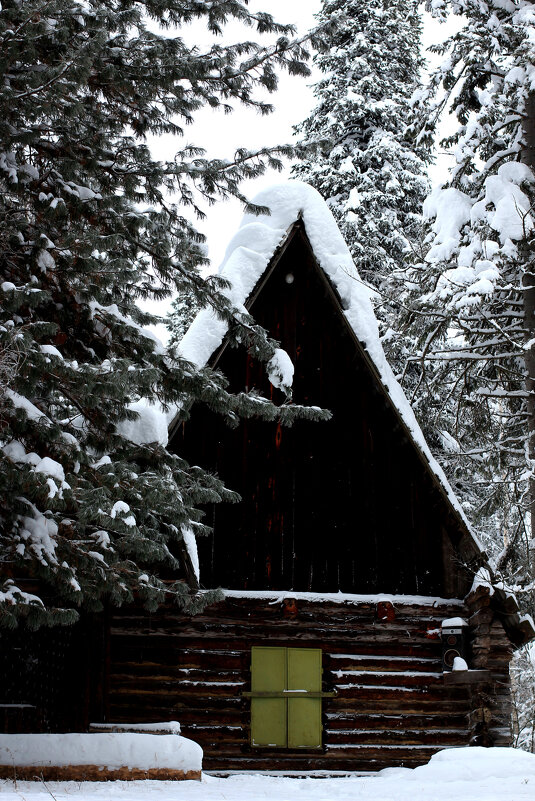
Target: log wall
pixel 491 649
pixel 392 706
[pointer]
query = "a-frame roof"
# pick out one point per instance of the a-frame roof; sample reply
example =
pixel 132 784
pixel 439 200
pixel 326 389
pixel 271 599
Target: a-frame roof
pixel 253 253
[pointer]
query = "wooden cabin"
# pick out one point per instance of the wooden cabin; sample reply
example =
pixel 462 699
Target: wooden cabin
pixel 347 569
pixel 343 559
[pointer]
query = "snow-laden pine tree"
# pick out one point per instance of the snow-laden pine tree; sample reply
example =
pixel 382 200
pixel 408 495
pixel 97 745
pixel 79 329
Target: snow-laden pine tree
pixel 476 289
pixel 523 697
pixel 367 168
pixel 184 309
pixel 92 506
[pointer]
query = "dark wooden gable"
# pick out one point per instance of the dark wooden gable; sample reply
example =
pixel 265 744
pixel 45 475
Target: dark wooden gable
pixel 345 505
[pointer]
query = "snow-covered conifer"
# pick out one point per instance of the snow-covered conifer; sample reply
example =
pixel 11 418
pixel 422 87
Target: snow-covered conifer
pixel 368 170
pixel 523 697
pixel 476 288
pixel 183 311
pixel 92 506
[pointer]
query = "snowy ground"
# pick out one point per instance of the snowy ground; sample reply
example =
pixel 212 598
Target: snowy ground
pixel 474 774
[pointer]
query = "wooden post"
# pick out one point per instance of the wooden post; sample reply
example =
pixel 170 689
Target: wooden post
pixel 480 620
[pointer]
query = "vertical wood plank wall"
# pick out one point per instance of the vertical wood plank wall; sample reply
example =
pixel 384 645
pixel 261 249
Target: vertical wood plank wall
pixel 392 706
pixel 345 504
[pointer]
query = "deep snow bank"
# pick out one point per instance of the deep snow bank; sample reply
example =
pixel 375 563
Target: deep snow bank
pixel 463 774
pixel 474 764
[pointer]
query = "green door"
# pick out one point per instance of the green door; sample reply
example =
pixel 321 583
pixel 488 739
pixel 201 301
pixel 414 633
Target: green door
pixel 286 697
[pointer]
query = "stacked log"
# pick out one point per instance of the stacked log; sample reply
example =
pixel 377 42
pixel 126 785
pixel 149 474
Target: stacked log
pixel 491 651
pixel 391 707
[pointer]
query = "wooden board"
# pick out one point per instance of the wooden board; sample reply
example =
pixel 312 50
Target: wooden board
pixel 92 773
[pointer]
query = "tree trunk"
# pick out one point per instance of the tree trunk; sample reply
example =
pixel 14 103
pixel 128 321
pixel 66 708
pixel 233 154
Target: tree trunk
pixel 528 283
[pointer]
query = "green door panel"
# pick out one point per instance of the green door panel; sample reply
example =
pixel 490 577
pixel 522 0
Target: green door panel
pixel 304 722
pixel 292 721
pixel 268 715
pixel 304 714
pixel 269 722
pixel 268 667
pixel 304 669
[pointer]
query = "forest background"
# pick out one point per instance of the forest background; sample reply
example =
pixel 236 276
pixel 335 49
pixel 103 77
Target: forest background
pixel 69 428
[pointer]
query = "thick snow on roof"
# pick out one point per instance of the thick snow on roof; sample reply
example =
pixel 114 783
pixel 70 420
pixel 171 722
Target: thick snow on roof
pixel 246 259
pixel 151 424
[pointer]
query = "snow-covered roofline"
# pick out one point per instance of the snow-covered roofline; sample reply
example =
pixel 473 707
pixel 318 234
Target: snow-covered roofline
pixel 248 256
pixel 350 598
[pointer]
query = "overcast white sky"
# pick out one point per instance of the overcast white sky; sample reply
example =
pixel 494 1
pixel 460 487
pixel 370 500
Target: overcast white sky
pixel 221 134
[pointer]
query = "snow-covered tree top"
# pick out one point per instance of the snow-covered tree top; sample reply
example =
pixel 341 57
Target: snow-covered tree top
pixel 247 257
